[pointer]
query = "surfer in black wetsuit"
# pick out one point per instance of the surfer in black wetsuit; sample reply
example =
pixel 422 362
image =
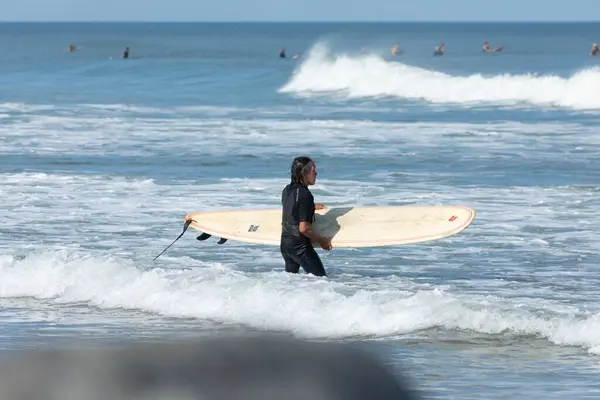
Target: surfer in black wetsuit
pixel 298 215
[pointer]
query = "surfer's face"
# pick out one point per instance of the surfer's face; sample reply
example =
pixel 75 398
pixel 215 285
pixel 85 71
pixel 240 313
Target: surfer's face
pixel 311 176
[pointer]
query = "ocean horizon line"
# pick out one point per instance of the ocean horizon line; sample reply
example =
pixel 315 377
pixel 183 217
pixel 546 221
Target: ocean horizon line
pixel 537 22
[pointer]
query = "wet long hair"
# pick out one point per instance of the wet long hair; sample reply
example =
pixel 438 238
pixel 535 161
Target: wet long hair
pixel 300 167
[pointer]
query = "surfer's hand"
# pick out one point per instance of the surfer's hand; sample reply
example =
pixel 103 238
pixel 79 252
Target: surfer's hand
pixel 325 243
pixel 320 206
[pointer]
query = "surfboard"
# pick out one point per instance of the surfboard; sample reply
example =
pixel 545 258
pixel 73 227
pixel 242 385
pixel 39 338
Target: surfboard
pixel 349 227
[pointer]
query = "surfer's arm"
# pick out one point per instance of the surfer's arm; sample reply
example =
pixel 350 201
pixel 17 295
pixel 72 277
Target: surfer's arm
pixel 305 217
pixel 307 230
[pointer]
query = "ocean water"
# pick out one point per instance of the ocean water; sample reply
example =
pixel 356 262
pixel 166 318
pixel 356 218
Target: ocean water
pixel 101 158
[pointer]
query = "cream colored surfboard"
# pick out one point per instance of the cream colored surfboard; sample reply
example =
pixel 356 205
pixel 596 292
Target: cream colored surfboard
pixel 347 226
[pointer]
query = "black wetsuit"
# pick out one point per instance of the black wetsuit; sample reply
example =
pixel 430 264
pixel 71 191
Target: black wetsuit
pixel 297 250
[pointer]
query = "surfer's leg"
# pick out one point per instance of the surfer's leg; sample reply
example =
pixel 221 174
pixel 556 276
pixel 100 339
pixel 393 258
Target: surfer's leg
pixel 311 262
pixel 291 265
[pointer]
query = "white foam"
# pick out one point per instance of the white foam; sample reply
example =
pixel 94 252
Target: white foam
pixel 14 107
pixel 372 76
pixel 304 305
pixel 134 219
pixel 144 136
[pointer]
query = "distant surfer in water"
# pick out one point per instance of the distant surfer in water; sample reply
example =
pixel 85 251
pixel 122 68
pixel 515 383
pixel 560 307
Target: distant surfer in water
pixel 486 48
pixel 126 53
pixel 282 53
pixel 439 51
pixel 298 214
pixel 595 50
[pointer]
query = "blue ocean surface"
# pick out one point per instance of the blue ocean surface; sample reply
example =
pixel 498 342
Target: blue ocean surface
pixel 101 158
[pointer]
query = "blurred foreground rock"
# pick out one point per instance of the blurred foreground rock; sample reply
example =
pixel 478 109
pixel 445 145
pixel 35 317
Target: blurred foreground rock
pixel 268 367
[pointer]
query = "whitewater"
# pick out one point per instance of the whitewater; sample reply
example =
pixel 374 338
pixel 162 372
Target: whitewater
pixel 371 76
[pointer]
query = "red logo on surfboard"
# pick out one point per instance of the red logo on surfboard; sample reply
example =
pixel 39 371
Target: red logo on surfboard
pixel 452 218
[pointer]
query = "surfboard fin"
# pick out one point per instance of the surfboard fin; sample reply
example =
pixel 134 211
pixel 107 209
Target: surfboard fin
pixel 204 236
pixel 222 240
